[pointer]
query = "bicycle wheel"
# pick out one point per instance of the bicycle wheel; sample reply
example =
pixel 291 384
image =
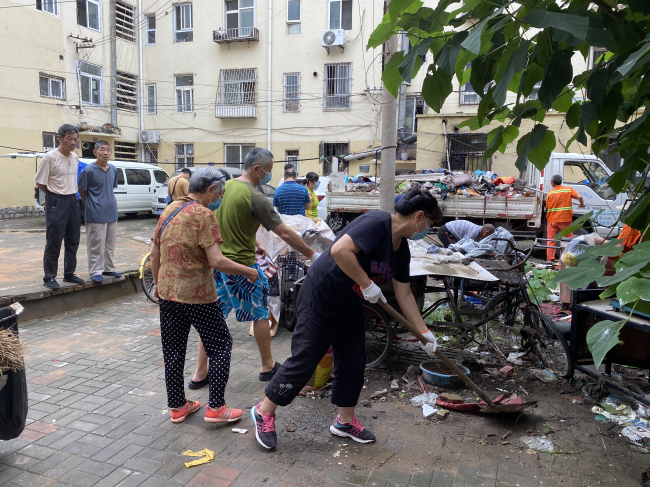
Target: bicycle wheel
pixel 379 335
pixel 289 306
pixel 504 317
pixel 147 278
pixel 548 344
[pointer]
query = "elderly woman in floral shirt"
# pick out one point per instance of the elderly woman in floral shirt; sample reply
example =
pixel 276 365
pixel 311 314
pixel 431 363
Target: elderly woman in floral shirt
pixel 185 250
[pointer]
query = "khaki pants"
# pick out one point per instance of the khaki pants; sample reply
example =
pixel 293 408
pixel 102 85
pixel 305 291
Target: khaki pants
pixel 100 239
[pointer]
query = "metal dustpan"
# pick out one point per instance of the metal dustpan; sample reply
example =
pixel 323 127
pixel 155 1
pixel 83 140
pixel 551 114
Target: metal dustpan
pixel 505 403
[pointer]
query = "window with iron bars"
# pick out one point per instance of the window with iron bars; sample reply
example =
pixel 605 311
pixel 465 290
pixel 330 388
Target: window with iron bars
pixel 238 87
pixel 291 92
pixel 151 155
pixel 127 91
pixel 50 142
pixel 596 53
pixel 337 86
pixel 236 153
pixel 328 150
pixel 466 152
pixel 291 156
pixel 184 155
pixel 125 21
pixel 126 151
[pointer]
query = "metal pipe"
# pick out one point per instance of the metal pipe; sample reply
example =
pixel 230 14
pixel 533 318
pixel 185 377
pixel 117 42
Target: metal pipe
pixel 361 155
pixel 444 130
pixel 268 103
pixel 113 42
pixel 142 97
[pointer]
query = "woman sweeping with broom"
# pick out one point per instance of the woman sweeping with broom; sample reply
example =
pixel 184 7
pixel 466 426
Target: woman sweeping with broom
pixel 370 251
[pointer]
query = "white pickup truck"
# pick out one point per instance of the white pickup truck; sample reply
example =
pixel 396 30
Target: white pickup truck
pixel 525 213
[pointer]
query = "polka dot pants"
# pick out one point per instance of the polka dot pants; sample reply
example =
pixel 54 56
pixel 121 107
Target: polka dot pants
pixel 175 321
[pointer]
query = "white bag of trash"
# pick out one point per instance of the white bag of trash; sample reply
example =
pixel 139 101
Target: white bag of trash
pixel 537 443
pixel 426 398
pixel 428 411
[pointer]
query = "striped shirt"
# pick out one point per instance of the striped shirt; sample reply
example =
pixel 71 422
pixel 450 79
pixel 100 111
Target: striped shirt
pixel 290 198
pixel 464 229
pixel 558 204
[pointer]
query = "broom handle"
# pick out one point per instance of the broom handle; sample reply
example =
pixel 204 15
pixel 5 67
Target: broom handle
pixel 450 365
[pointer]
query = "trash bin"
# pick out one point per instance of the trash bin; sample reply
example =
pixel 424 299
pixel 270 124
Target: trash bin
pixel 13 384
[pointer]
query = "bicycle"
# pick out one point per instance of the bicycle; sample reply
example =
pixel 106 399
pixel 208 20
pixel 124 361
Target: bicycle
pixel 145 273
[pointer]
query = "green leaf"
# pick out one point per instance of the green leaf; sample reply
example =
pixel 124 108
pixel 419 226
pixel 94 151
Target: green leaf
pixel 564 102
pixel 395 7
pixel 514 63
pixel 407 68
pixel 557 76
pixel 631 62
pixel 639 254
pixel 381 34
pixel 597 85
pixel 391 77
pixel 473 41
pixel 579 277
pixel 621 275
pixel 602 337
pixel 609 249
pixel 544 47
pixel 633 289
pixel 575 225
pixel 494 139
pixel 448 55
pixel 577 26
pixel 573 115
pixel 471 123
pixel 509 135
pixel 462 61
pixel 638 215
pixel 436 88
pixel 609 292
pixel 535 147
pixel 637 162
pixel 589 115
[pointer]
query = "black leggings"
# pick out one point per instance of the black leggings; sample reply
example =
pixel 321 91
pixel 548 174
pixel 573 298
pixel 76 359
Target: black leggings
pixel 446 237
pixel 319 326
pixel 175 321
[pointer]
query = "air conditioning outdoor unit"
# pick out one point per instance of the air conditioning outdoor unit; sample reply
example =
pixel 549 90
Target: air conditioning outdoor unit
pixel 149 137
pixel 334 37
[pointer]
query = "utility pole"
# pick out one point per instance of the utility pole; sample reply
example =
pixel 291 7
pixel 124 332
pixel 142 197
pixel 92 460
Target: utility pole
pixel 388 137
pixel 113 39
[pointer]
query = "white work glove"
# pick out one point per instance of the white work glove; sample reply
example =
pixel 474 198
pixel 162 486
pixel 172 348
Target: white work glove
pixel 315 256
pixel 372 294
pixel 430 347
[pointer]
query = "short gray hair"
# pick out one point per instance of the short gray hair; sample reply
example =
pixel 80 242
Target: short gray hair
pixel 205 177
pixel 66 129
pixel 257 157
pixel 557 179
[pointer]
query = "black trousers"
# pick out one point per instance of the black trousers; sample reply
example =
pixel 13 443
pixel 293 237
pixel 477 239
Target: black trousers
pixel 446 237
pixel 318 326
pixel 175 321
pixel 63 223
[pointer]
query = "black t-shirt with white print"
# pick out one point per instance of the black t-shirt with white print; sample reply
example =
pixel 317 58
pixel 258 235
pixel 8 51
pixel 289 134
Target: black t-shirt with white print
pixel 371 232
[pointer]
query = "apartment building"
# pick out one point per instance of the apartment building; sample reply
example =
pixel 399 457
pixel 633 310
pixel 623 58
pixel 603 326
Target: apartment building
pixel 195 83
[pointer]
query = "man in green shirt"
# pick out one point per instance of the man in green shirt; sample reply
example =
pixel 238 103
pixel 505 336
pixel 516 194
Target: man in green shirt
pixel 240 215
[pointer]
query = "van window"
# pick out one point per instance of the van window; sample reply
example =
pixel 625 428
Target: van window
pixel 138 177
pixel 588 173
pixel 120 177
pixel 161 176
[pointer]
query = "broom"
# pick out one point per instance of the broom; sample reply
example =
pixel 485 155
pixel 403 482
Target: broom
pixel 11 351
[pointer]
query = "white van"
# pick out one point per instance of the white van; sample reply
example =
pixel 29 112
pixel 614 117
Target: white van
pixel 588 176
pixel 136 185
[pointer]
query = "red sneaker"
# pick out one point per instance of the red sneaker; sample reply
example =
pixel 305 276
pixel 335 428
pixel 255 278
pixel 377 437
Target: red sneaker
pixel 179 414
pixel 224 414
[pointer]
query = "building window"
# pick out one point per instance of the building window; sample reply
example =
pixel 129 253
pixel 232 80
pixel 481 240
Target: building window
pixel 235 154
pixel 151 30
pixel 50 142
pixel 183 22
pixel 594 55
pixel 291 156
pixel 151 157
pixel 466 152
pixel 125 21
pixel 240 16
pixel 184 93
pixel 91 83
pixel 328 150
pixel 534 94
pixel 291 92
pixel 89 13
pixel 406 47
pixel 337 86
pixel 293 16
pixel 52 86
pixel 126 151
pixel 237 93
pixel 127 91
pixel 414 106
pixel 184 155
pixel 151 99
pixel 49 6
pixel 340 14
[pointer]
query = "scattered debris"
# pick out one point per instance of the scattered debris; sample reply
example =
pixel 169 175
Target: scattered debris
pixel 428 411
pixel 506 371
pixel 504 437
pixel 442 413
pixel 513 358
pixel 637 434
pixel 377 394
pixel 545 375
pixel 208 456
pixel 452 398
pixel 394 385
pixel 537 443
pixel 241 431
pixel 426 398
pixel 622 415
pixel 290 429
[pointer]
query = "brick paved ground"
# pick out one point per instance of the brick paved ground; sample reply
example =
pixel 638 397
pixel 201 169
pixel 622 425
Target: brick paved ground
pixel 98 417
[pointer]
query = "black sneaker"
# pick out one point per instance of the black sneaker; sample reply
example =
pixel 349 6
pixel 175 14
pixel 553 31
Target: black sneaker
pixel 197 385
pixel 50 283
pixel 267 376
pixel 264 428
pixel 73 279
pixel 352 430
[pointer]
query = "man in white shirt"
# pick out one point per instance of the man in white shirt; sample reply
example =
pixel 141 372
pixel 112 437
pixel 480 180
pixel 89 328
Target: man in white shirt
pixel 287 167
pixel 454 231
pixel 57 178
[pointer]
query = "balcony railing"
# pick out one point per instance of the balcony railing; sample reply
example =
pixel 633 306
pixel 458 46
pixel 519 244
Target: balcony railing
pixel 240 34
pixel 235 111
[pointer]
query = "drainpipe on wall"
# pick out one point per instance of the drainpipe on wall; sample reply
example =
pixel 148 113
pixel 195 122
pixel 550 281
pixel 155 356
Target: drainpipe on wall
pixel 268 103
pixel 142 97
pixel 113 41
pixel 444 130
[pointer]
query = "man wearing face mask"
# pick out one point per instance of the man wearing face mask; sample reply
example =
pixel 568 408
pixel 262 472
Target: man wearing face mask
pixel 242 210
pixel 371 251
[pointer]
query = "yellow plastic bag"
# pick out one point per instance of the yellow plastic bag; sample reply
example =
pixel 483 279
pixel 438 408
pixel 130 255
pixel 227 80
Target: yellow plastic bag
pixel 208 456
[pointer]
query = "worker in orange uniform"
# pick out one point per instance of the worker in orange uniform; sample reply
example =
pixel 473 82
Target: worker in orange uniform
pixel 559 212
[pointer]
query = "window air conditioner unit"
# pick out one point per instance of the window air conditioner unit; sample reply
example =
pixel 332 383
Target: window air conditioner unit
pixel 149 137
pixel 335 37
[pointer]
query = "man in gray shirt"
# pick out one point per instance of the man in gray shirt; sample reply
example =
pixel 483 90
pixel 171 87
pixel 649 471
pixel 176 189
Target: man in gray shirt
pixel 96 184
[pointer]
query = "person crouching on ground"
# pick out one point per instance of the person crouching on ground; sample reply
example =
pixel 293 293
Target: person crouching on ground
pixel 371 250
pixel 185 249
pixel 454 231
